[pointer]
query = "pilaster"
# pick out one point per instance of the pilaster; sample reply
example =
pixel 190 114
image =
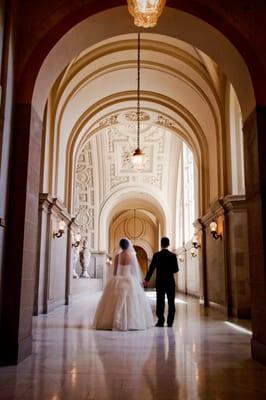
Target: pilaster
pixel 255 182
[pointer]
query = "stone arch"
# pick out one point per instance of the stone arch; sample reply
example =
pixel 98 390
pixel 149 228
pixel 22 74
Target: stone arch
pixel 191 133
pixel 37 77
pixel 173 22
pixel 137 241
pixel 137 198
pixel 142 258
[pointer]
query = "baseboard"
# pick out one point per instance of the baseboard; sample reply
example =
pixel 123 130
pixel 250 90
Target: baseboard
pixel 258 351
pixel 13 353
pixel 195 295
pixel 53 304
pixel 219 307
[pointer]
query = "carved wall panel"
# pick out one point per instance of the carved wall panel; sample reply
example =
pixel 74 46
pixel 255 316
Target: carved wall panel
pixel 84 194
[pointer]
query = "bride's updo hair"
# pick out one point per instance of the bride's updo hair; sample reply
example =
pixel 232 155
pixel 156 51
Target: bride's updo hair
pixel 124 243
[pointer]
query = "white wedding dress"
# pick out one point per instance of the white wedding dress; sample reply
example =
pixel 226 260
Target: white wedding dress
pixel 124 304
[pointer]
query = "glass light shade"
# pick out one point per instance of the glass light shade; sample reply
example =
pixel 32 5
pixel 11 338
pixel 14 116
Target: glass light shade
pixel 213 226
pixel 138 159
pixel 181 258
pixel 145 12
pixel 109 260
pixel 78 237
pixel 61 226
pixel 195 239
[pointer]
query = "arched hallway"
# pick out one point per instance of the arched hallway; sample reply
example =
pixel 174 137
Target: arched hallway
pixel 68 99
pixel 201 357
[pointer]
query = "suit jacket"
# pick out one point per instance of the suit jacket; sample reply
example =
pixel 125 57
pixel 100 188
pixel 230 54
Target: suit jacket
pixel 166 265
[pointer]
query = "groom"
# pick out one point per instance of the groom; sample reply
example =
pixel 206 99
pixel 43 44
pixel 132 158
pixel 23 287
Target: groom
pixel 166 265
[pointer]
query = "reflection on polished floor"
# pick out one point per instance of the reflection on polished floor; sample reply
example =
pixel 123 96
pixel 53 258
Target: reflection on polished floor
pixel 201 357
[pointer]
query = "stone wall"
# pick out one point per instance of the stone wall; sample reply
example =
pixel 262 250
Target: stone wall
pixel 57 281
pixel 225 277
pixel 188 277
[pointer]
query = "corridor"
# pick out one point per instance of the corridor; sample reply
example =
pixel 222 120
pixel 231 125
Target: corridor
pixel 201 357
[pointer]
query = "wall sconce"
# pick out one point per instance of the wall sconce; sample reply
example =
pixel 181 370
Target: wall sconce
pixel 213 228
pixel 195 242
pixel 77 239
pixel 60 229
pixel 181 257
pixel 109 261
pixel 193 252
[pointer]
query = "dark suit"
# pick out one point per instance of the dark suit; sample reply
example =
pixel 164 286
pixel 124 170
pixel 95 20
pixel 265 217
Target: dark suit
pixel 166 265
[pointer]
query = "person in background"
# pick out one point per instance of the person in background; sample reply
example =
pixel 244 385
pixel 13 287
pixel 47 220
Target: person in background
pixel 166 266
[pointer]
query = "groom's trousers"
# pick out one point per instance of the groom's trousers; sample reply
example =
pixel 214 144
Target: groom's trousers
pixel 167 289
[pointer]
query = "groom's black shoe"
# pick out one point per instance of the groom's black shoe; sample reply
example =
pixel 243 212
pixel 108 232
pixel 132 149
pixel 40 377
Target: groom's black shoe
pixel 159 324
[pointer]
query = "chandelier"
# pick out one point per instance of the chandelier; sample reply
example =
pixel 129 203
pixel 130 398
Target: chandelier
pixel 138 155
pixel 145 12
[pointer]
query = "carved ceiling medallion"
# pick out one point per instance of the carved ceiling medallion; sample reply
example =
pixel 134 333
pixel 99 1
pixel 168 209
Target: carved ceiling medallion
pixel 133 116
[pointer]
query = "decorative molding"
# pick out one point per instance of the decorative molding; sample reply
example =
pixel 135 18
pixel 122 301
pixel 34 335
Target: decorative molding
pixel 152 45
pixel 108 121
pixel 53 205
pixel 234 202
pixel 221 207
pixel 84 202
pixel 166 122
pixel 135 230
pixel 133 116
pixel 216 210
pixel 121 141
pixel 116 180
pixel 156 179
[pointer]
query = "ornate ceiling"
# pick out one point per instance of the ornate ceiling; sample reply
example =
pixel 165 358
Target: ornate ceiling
pixel 91 129
pixel 110 151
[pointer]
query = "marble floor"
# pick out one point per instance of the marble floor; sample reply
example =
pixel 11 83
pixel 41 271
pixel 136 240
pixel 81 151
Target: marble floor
pixel 201 357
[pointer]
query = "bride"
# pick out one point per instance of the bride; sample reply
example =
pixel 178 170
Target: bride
pixel 124 304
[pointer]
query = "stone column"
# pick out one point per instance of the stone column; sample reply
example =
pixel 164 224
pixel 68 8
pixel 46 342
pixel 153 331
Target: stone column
pixel 44 248
pixel 20 260
pixel 50 250
pixel 237 255
pixel 180 277
pixel 255 180
pixel 215 277
pixel 70 268
pixel 58 287
pixel 97 265
pixel 200 231
pixel 225 264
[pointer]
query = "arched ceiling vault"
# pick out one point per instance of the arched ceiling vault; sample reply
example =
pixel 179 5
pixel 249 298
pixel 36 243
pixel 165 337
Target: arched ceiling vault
pixel 175 84
pixel 175 120
pixel 115 205
pixel 173 23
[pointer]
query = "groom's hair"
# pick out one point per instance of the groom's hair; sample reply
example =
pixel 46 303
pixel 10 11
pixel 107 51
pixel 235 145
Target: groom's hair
pixel 124 243
pixel 165 242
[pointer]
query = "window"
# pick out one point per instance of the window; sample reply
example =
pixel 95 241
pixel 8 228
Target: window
pixel 188 192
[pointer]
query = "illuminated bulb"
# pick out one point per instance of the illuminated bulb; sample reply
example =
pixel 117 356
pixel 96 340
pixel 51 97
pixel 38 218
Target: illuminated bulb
pixel 213 226
pixel 61 226
pixel 138 159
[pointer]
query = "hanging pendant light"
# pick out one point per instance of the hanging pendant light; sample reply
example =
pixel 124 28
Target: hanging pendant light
pixel 145 12
pixel 138 155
